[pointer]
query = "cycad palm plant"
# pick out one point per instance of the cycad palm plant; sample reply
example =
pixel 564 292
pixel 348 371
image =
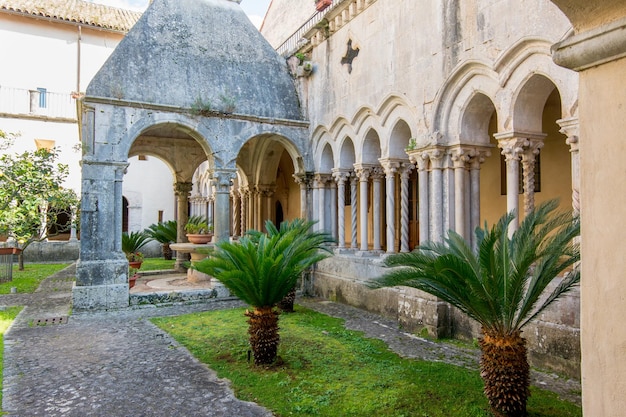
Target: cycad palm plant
pixel 261 269
pixel 164 233
pixel 133 242
pixel 501 286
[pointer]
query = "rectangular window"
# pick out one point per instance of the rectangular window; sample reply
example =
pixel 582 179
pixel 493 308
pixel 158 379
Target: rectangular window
pixel 43 99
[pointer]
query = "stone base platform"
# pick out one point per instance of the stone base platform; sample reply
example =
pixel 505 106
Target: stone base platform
pixel 166 287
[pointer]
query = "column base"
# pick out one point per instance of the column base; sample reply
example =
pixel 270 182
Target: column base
pixel 100 297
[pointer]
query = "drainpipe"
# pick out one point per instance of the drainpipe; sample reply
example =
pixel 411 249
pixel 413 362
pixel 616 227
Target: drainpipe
pixel 78 59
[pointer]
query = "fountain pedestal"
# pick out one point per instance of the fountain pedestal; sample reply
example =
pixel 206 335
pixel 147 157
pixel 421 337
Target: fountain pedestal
pixel 194 275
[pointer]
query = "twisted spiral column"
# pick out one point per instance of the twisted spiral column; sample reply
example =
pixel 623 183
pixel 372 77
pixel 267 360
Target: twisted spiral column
pixel 405 173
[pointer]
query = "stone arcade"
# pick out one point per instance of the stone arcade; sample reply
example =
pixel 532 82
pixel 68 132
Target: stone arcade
pixel 452 113
pixel 193 81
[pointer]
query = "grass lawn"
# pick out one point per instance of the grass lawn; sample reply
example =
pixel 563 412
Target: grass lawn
pixel 326 370
pixel 6 318
pixel 155 264
pixel 28 280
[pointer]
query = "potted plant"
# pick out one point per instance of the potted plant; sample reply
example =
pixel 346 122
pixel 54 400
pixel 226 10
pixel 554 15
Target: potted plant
pixel 131 244
pixel 199 230
pixel 321 5
pixel 132 277
pixel 164 233
pixel 135 259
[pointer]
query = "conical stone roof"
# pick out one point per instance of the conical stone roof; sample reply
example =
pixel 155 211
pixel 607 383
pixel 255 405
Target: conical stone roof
pixel 199 54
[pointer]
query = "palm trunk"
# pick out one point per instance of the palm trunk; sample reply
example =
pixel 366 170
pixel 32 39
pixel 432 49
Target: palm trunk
pixel 286 304
pixel 167 251
pixel 504 369
pixel 263 331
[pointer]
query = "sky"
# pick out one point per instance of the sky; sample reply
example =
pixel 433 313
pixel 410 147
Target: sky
pixel 255 9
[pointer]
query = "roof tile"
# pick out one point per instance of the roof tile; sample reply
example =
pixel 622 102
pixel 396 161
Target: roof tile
pixel 76 11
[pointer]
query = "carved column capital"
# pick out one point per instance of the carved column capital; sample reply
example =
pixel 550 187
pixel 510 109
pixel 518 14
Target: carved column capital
pixel 405 170
pixel 303 179
pixel 570 128
pixel 321 180
pixel 436 155
pixel 183 188
pixel 460 155
pixel 222 180
pixel 390 165
pixel 515 144
pixel 479 156
pixel 363 171
pixel 340 175
pixel 377 173
pixel 267 190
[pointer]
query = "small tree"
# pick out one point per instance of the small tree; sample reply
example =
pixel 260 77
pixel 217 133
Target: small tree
pixel 164 233
pixel 33 204
pixel 261 269
pixel 501 285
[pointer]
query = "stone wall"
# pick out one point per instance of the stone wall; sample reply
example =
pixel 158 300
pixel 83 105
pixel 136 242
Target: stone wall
pixel 553 338
pixel 65 251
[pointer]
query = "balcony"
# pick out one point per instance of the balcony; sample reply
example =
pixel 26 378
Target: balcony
pixel 36 104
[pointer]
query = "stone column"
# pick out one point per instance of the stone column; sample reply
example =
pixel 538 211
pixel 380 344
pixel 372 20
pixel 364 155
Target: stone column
pixel 363 174
pixel 333 207
pixel 377 174
pixel 528 169
pixel 102 268
pixel 512 149
pixel 569 127
pixel 436 156
pixel 391 168
pixel 319 183
pixel 340 177
pixel 460 157
pixel 476 160
pixel 354 180
pixel 243 192
pixel 303 180
pixel 236 217
pixel 73 236
pixel 258 208
pixel 182 190
pixel 221 226
pixel 405 173
pixel 420 159
pixel 267 196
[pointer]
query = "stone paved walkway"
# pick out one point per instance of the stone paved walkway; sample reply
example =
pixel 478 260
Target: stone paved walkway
pixel 119 364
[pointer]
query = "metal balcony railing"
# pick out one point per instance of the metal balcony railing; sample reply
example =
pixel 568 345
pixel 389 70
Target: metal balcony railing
pixel 38 103
pixel 297 40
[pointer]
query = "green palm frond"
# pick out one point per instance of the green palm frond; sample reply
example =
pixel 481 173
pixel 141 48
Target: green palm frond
pixel 501 283
pixel 165 232
pixel 134 241
pixel 262 268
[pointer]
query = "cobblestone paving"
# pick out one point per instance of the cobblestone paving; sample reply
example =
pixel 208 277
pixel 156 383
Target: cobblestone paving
pixel 118 363
pixel 106 364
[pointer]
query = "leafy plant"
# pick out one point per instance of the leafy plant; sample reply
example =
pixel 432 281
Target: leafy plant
pixel 261 269
pixel 201 107
pixel 132 243
pixel 33 204
pixel 500 286
pixel 301 57
pixel 198 225
pixel 164 233
pixel 228 103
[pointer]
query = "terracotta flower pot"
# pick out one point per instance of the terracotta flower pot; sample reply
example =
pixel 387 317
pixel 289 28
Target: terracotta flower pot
pixel 199 239
pixel 132 280
pixel 135 264
pixel 322 4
